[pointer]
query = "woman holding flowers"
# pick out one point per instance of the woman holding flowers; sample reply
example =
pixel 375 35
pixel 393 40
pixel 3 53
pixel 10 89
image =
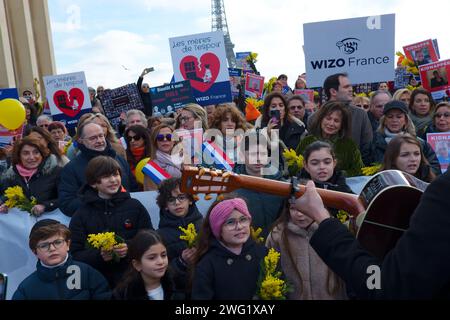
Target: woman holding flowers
pixel 106 208
pixel 228 260
pixel 35 174
pixel 307 274
pixel 178 212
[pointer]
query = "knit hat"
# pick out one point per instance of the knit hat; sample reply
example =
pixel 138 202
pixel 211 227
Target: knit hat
pixel 251 113
pixel 395 104
pixel 223 210
pixel 42 223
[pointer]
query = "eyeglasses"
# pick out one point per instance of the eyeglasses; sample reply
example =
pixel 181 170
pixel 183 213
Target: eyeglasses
pixel 445 115
pixel 135 138
pixel 161 137
pixel 95 138
pixel 45 246
pixel 185 119
pixel 181 197
pixel 296 107
pixel 364 106
pixel 43 125
pixel 232 224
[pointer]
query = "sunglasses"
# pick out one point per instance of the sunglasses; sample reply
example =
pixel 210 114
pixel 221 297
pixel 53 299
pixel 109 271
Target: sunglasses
pixel 364 106
pixel 295 107
pixel 161 137
pixel 135 138
pixel 445 115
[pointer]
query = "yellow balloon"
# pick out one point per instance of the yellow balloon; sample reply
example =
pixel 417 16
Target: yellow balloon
pixel 138 172
pixel 12 114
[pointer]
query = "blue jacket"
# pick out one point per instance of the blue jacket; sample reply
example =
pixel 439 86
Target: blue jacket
pixel 223 275
pixel 51 284
pixel 73 177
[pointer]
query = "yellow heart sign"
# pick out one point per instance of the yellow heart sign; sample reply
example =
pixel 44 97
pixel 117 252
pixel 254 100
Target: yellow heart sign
pixel 12 114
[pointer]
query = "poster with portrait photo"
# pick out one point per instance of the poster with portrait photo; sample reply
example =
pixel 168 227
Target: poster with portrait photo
pixel 254 85
pixel 235 81
pixel 421 52
pixel 306 94
pixel 440 142
pixel 435 77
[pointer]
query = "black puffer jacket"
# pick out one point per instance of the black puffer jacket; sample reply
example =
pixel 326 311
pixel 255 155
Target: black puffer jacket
pixel 135 290
pixel 42 185
pixel 121 214
pixel 170 233
pixel 223 275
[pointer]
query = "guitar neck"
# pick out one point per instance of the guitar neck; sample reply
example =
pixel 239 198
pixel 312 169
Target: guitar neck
pixel 334 199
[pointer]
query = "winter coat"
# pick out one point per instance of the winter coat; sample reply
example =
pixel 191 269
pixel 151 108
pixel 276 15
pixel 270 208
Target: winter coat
pixel 373 122
pixel 121 214
pixel 135 290
pixel 379 148
pixel 73 177
pixel 170 233
pixel 416 268
pixel 265 208
pixel 347 153
pixel 146 98
pixel 223 275
pixel 361 131
pixel 43 185
pixel 317 280
pixel 51 284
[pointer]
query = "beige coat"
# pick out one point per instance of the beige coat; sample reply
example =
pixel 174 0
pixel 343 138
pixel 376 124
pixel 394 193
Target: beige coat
pixel 316 277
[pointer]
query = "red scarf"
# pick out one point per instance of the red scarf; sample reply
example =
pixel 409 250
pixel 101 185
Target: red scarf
pixel 138 154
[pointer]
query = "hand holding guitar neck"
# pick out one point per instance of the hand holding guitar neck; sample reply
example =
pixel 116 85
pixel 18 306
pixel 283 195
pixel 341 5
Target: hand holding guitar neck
pixel 311 204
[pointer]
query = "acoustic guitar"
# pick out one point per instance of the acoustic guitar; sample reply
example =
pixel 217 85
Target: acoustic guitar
pixel 383 208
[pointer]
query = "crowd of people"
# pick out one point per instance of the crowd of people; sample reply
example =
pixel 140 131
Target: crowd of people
pixel 89 174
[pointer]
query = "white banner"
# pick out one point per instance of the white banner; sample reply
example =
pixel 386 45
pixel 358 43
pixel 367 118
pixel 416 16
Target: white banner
pixel 362 47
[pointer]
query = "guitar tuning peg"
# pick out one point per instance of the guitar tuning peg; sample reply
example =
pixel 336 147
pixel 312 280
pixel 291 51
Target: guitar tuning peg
pixel 226 174
pixel 220 197
pixel 208 197
pixel 195 197
pixel 201 172
pixel 214 173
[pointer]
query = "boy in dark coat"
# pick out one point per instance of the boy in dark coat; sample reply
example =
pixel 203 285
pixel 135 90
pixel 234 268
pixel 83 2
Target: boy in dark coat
pixel 106 208
pixel 57 275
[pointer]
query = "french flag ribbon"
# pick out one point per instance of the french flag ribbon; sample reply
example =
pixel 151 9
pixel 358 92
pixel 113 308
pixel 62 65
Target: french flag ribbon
pixel 218 155
pixel 155 172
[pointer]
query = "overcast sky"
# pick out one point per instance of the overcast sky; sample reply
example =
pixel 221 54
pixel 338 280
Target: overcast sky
pixel 112 41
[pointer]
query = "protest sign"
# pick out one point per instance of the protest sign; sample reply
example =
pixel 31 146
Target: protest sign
pixel 68 97
pixel 235 80
pixel 241 62
pixel 169 98
pixel 7 136
pixel 362 47
pixel 306 94
pixel 440 142
pixel 254 85
pixel 201 58
pixel 421 52
pixel 120 100
pixel 434 78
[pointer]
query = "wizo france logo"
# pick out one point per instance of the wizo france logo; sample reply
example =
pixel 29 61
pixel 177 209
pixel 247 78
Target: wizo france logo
pixel 348 45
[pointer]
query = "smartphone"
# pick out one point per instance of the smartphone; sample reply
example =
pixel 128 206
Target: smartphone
pixel 275 115
pixel 3 285
pixel 150 69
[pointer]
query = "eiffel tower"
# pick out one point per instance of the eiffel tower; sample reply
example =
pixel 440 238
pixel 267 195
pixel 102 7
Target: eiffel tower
pixel 219 22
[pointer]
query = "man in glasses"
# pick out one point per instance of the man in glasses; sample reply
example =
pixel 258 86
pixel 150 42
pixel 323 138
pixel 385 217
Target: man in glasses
pixel 57 276
pixel 376 107
pixel 92 143
pixel 144 90
pixel 43 121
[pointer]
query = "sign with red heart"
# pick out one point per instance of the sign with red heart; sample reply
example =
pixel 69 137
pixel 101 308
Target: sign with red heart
pixel 201 59
pixel 69 104
pixel 67 97
pixel 202 73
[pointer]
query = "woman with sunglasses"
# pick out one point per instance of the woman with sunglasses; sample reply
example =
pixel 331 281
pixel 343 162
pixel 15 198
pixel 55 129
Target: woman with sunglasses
pixel 441 120
pixel 139 145
pixel 162 147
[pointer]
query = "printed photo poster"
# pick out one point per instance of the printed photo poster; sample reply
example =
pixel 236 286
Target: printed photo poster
pixel 254 85
pixel 434 77
pixel 440 142
pixel 120 100
pixel 68 97
pixel 235 80
pixel 201 59
pixel 306 94
pixel 171 97
pixel 422 52
pixel 241 62
pixel 8 136
pixel 362 47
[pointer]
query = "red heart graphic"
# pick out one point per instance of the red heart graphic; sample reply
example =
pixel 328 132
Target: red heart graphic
pixel 203 74
pixel 69 104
